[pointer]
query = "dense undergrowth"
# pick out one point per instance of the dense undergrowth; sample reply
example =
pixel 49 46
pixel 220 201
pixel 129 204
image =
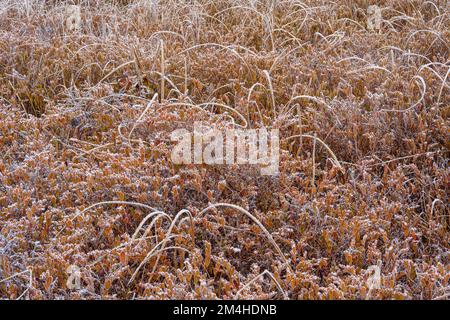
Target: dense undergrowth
pixel 84 161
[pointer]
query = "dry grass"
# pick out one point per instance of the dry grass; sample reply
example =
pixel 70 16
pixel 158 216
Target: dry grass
pixel 86 113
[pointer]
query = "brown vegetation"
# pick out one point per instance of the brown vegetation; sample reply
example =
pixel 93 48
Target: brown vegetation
pixel 84 162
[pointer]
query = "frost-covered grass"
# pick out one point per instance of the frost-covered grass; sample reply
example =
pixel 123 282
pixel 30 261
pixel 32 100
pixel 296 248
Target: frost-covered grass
pixel 89 96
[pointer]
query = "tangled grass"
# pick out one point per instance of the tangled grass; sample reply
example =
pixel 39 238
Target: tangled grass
pixel 89 96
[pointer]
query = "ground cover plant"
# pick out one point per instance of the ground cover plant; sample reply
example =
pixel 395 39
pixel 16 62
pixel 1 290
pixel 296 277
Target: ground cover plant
pixel 91 90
